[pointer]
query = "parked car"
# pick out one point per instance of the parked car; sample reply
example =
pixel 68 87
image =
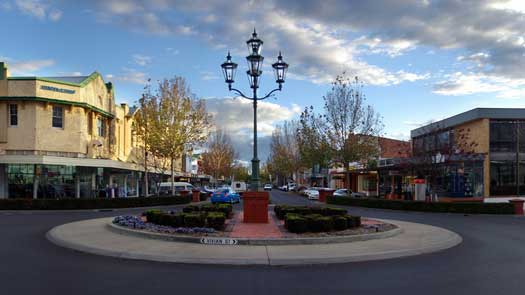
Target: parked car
pixel 312 193
pixel 291 187
pixel 165 187
pixel 225 195
pixel 345 193
pixel 268 187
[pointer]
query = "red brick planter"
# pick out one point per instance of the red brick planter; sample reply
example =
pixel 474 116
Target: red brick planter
pixel 195 195
pixel 255 207
pixel 324 194
pixel 518 206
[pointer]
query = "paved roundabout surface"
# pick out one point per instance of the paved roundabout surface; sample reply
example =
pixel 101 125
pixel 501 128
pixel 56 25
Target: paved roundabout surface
pixel 490 260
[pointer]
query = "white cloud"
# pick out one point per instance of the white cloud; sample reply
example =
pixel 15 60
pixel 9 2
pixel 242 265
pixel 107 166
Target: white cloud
pixel 471 83
pixel 236 114
pixel 129 76
pixel 141 60
pixel 208 75
pixel 29 67
pixel 55 15
pixel 315 51
pixel 41 10
pixel 172 51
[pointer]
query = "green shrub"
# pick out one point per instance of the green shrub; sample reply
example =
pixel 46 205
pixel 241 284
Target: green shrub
pixel 340 222
pixel 353 221
pixel 227 209
pixel 178 220
pixel 326 222
pixel 464 208
pixel 296 223
pixel 194 220
pixel 216 220
pixel 207 208
pixel 331 211
pixel 153 215
pixel 314 222
pixel 190 209
pixel 94 203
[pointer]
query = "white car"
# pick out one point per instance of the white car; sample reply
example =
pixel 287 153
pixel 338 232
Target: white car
pixel 344 193
pixel 312 194
pixel 267 187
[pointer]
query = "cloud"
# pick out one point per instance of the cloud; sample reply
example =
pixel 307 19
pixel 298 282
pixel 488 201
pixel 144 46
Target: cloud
pixel 129 76
pixel 460 83
pixel 141 60
pixel 208 75
pixel 29 67
pixel 235 116
pixel 316 52
pixel 172 51
pixel 41 10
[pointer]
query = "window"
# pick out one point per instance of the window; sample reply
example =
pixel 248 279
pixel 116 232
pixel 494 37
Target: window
pixel 101 127
pixel 13 115
pixel 58 117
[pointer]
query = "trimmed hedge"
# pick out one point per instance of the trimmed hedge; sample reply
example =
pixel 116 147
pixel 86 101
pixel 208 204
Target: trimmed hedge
pixel 301 219
pixel 227 209
pixel 282 210
pixel 193 216
pixel 464 207
pixel 72 204
pixel 216 220
pixel 194 219
pixel 296 223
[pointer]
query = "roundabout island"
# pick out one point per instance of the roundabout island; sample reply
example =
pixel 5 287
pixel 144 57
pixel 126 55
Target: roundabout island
pixel 239 243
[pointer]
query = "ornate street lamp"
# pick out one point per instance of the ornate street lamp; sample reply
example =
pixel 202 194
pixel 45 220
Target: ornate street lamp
pixel 254 72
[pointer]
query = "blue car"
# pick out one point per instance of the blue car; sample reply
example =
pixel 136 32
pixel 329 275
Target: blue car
pixel 225 195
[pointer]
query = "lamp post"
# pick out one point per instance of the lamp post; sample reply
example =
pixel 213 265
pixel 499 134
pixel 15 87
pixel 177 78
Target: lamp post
pixel 255 60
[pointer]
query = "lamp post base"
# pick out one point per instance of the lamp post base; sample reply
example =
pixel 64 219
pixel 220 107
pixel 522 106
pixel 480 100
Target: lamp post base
pixel 255 205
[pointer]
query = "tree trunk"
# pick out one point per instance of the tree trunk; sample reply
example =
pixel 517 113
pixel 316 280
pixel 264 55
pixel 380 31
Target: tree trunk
pixel 146 184
pixel 347 176
pixel 172 178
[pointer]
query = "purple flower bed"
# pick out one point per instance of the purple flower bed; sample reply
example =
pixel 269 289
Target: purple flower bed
pixel 136 222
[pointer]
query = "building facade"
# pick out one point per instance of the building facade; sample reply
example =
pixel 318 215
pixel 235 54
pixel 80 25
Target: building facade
pixel 365 179
pixel 475 154
pixel 65 137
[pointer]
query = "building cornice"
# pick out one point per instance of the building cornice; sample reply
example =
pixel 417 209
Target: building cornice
pixel 57 101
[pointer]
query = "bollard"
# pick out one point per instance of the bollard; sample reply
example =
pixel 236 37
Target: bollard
pixel 518 206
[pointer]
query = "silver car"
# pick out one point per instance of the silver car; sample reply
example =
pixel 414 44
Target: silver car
pixel 345 193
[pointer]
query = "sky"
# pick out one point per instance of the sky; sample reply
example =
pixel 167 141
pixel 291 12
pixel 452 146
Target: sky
pixel 420 60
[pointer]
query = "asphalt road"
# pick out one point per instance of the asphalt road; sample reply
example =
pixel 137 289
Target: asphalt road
pixel 491 260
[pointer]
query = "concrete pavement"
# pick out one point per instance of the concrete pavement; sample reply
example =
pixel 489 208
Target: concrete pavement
pixel 93 236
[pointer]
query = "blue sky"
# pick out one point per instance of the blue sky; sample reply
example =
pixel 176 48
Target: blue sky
pixel 420 60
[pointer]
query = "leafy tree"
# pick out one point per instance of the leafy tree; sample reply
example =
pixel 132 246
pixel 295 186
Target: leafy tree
pixel 312 141
pixel 217 161
pixel 284 158
pixel 350 126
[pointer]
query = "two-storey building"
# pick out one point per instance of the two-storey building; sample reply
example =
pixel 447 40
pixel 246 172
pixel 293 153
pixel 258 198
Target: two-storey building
pixel 65 137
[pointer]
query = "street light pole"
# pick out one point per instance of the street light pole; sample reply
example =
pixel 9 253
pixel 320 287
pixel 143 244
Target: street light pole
pixel 254 72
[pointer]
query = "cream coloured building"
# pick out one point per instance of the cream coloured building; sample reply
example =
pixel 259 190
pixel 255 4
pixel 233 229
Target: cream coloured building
pixel 65 137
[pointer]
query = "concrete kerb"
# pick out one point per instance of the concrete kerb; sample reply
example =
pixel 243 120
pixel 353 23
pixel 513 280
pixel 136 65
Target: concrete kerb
pixel 264 242
pixel 93 236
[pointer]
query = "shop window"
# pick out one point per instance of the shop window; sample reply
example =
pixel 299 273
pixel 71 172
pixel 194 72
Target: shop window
pixel 502 136
pixel 13 115
pixel 58 117
pixel 101 127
